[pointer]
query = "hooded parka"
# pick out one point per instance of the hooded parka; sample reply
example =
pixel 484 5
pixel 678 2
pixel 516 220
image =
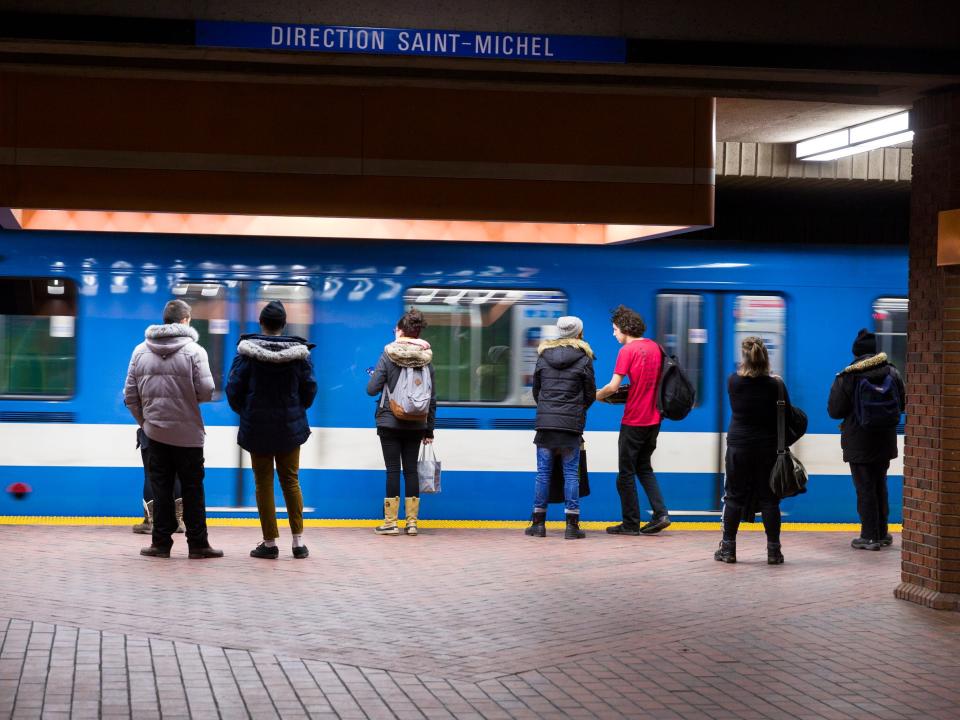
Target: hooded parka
pixel 860 444
pixel 564 385
pixel 270 387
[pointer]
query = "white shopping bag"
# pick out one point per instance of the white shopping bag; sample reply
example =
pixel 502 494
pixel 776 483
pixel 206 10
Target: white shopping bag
pixel 428 468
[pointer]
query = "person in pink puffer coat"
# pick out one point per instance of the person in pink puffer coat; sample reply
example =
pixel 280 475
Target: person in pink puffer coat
pixel 169 376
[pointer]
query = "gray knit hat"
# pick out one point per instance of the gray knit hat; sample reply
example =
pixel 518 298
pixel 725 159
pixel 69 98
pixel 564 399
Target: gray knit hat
pixel 570 326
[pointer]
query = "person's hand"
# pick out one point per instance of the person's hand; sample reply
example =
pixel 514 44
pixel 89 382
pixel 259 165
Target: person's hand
pixel 427 441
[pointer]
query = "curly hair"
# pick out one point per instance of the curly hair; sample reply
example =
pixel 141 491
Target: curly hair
pixel 412 323
pixel 629 321
pixel 756 360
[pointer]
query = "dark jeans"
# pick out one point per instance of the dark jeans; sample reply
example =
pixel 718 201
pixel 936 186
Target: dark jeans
pixel 636 445
pixel 147 487
pixel 746 488
pixel 401 448
pixel 870 480
pixel 166 462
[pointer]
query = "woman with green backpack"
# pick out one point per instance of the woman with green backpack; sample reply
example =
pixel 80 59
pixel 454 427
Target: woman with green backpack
pixel 407 405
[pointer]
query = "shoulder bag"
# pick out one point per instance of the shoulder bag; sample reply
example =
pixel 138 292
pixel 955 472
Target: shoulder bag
pixel 788 477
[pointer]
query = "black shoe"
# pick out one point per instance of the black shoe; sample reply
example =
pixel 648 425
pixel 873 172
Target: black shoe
pixel 864 544
pixel 154 551
pixel 656 525
pixel 622 529
pixel 573 531
pixel 538 527
pixel 727 552
pixel 774 556
pixel 299 553
pixel 204 553
pixel 887 540
pixel 266 553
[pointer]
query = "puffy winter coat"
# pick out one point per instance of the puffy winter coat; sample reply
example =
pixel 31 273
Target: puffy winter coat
pixel 405 352
pixel 169 376
pixel 270 387
pixel 564 385
pixel 860 444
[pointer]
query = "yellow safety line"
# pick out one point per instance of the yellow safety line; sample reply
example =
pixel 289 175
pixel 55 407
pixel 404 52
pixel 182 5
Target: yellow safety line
pixel 445 524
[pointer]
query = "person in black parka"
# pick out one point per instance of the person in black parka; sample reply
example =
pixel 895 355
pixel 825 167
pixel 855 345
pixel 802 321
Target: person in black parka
pixel 270 386
pixel 564 387
pixel 868 450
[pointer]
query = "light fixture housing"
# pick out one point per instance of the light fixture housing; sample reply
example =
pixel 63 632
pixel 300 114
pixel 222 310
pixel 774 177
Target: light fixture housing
pixel 882 132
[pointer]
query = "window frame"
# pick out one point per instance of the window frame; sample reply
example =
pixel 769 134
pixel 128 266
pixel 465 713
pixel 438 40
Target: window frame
pixel 873 310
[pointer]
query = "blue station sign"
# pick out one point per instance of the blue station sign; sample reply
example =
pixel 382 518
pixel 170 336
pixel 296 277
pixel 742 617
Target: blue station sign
pixel 414 42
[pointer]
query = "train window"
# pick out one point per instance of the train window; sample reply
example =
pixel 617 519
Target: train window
pixel 890 327
pixel 296 299
pixel 681 331
pixel 485 341
pixel 208 316
pixel 766 317
pixel 38 345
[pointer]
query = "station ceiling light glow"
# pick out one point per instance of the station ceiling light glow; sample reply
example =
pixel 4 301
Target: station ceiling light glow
pixel 334 228
pixel 883 132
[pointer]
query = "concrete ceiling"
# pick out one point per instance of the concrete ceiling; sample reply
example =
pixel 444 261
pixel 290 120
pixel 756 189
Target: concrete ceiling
pixel 787 121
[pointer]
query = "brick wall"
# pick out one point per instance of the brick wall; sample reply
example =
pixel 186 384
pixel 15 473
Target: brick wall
pixel 931 493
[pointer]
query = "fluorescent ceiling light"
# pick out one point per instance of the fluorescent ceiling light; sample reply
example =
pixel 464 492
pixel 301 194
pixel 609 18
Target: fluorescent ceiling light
pixel 883 132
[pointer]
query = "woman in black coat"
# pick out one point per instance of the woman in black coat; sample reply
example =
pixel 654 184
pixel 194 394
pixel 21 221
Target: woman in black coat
pixel 752 451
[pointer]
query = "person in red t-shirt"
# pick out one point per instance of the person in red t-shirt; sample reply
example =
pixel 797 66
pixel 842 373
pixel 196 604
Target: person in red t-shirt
pixel 638 360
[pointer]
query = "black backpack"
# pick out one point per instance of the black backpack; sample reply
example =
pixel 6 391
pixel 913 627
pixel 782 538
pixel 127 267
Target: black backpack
pixel 877 406
pixel 675 393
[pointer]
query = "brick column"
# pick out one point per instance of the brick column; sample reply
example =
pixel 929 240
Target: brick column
pixel 930 571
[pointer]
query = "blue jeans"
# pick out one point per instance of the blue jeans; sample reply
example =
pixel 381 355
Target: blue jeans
pixel 571 478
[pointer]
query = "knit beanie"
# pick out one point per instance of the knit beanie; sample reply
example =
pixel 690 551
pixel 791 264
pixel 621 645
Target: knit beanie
pixel 570 326
pixel 865 344
pixel 273 315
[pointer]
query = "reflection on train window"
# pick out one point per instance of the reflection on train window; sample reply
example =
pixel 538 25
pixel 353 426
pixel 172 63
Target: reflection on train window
pixel 485 341
pixel 208 316
pixel 681 331
pixel 764 316
pixel 890 318
pixel 297 301
pixel 38 345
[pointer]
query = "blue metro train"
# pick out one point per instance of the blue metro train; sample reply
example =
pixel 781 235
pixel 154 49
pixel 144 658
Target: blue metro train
pixel 73 306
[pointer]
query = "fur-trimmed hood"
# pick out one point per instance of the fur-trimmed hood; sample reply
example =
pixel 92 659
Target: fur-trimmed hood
pixel 165 340
pixel 866 364
pixel 569 351
pixel 409 352
pixel 274 348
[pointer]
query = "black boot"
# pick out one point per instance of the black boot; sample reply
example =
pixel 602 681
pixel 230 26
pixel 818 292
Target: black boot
pixel 538 527
pixel 573 531
pixel 727 552
pixel 774 556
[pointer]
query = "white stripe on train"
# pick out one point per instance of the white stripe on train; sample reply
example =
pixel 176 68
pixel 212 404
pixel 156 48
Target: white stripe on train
pixel 89 445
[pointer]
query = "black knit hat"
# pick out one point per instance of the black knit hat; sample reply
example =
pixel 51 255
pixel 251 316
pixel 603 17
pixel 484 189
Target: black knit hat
pixel 273 315
pixel 865 344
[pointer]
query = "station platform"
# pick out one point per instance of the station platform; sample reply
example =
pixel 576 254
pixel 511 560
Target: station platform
pixel 465 623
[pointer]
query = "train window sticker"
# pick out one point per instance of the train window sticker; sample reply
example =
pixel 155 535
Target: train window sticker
pixel 485 340
pixel 890 327
pixel 763 316
pixel 38 345
pixel 681 332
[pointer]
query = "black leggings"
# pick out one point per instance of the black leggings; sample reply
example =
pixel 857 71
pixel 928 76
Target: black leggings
pixel 401 448
pixel 747 488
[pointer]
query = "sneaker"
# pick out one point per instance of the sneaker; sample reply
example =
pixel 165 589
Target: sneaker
pixel 656 525
pixel 154 551
pixel 204 553
pixel 299 553
pixel 265 553
pixel 622 529
pixel 887 540
pixel 864 544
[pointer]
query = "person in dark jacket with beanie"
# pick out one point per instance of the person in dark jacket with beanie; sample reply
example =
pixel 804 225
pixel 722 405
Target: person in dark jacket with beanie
pixel 400 439
pixel 869 450
pixel 270 387
pixel 563 388
pixel 752 451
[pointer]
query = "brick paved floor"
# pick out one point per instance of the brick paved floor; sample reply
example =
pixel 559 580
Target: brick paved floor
pixel 465 624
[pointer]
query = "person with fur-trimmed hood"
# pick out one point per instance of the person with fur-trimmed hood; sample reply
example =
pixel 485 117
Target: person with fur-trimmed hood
pixel 169 376
pixel 400 439
pixel 564 387
pixel 270 387
pixel 869 397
